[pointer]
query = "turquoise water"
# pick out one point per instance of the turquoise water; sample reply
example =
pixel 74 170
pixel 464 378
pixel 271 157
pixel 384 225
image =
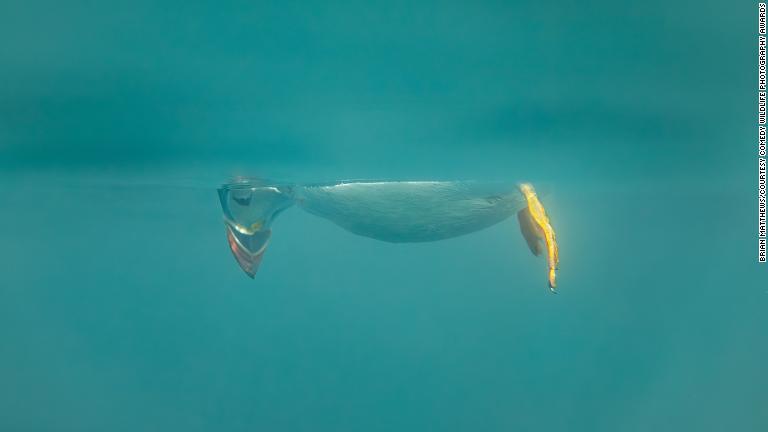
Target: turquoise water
pixel 121 308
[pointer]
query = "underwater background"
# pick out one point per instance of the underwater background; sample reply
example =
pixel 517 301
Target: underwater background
pixel 122 309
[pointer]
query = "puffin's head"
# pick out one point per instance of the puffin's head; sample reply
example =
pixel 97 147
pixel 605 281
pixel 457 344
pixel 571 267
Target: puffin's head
pixel 249 208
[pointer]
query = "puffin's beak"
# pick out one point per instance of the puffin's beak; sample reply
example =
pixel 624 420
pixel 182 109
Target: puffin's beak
pixel 248 250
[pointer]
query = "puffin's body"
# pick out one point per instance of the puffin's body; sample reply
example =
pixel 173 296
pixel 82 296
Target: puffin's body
pixel 392 211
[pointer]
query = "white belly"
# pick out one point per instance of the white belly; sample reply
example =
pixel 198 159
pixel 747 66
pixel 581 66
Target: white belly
pixel 411 211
